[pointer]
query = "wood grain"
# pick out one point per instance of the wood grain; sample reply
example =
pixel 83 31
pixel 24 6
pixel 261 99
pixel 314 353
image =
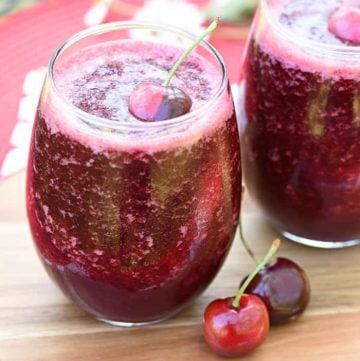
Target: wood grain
pixel 37 323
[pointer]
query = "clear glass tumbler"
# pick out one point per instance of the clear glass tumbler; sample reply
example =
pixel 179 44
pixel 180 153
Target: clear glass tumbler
pixel 132 219
pixel 300 115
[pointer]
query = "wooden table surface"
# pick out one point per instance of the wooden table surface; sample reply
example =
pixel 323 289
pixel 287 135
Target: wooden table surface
pixel 38 323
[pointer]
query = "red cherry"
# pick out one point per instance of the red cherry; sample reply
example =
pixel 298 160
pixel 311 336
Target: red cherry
pixel 233 331
pixel 154 102
pixel 284 288
pixel 344 23
pixel 236 326
pixel 151 102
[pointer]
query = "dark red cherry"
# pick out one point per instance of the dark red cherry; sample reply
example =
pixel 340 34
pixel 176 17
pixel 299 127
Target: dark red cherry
pixel 234 326
pixel 234 332
pixel 344 23
pixel 151 102
pixel 284 287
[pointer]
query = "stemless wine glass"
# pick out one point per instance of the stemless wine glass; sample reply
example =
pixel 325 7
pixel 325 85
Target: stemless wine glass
pixel 300 108
pixel 132 219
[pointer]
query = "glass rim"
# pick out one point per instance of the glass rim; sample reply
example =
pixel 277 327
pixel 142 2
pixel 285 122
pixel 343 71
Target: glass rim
pixel 314 45
pixel 123 25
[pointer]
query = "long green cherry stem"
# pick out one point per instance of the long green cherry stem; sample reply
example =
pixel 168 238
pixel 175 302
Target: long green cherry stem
pixel 274 247
pixel 241 230
pixel 207 32
pixel 243 241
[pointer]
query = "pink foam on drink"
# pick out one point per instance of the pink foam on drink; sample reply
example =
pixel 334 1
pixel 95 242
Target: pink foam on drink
pixel 304 39
pixel 99 80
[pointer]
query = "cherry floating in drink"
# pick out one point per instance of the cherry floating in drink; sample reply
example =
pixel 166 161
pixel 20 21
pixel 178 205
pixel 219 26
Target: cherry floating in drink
pixel 150 101
pixel 153 102
pixel 344 23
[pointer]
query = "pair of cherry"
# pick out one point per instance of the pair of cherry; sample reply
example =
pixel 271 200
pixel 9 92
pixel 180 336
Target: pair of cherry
pixel 275 293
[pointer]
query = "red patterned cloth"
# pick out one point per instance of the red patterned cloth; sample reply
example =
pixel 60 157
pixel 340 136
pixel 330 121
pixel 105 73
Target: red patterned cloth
pixel 28 38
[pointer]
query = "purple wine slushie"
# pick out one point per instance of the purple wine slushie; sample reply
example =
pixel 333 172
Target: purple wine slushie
pixel 302 112
pixel 132 220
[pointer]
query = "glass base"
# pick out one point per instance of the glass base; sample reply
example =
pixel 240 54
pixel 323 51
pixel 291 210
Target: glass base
pixel 131 324
pixel 320 244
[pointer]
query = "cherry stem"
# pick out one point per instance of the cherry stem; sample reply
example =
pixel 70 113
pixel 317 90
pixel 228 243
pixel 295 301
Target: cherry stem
pixel 272 250
pixel 207 32
pixel 243 241
pixel 241 231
